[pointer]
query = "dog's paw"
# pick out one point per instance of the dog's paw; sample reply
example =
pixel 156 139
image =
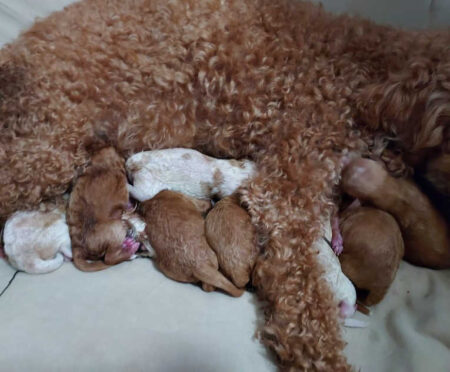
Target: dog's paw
pixel 337 244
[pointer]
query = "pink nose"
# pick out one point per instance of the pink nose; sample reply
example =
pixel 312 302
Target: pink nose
pixel 346 310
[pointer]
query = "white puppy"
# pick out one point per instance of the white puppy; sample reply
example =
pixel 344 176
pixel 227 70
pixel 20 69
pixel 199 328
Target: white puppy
pixel 37 242
pixel 186 171
pixel 342 288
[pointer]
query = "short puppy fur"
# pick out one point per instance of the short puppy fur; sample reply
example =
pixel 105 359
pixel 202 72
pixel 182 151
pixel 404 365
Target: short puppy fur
pixel 425 232
pixel 341 287
pixel 231 234
pixel 96 205
pixel 187 171
pixel 176 231
pixel 37 241
pixel 373 249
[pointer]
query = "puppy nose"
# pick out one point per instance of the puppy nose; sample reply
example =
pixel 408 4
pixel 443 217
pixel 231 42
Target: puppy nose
pixel 346 310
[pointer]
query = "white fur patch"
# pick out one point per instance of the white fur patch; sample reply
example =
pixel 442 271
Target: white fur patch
pixel 341 286
pixel 186 171
pixel 37 242
pixel 138 225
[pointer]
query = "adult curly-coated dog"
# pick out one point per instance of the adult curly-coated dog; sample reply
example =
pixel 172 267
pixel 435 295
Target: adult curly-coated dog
pixel 280 82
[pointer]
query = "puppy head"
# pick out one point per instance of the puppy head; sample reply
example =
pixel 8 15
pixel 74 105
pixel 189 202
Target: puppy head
pixel 110 242
pixel 104 237
pixel 105 196
pixel 363 177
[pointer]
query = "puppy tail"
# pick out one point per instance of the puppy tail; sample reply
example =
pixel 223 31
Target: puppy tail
pixel 83 264
pixel 211 276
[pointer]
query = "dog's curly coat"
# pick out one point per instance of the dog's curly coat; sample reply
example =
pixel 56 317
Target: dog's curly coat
pixel 280 82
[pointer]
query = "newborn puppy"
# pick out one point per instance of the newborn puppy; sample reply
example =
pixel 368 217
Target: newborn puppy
pixel 176 231
pixel 373 248
pixel 425 233
pixel 37 241
pixel 97 202
pixel 343 290
pixel 186 171
pixel 230 233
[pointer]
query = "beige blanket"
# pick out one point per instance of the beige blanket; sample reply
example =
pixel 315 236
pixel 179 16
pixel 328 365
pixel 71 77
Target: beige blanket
pixel 132 318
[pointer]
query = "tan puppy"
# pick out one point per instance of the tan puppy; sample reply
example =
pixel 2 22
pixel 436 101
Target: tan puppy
pixel 231 234
pixel 373 248
pixel 97 202
pixel 176 231
pixel 424 231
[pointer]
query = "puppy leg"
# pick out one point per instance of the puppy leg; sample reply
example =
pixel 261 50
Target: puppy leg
pixel 214 278
pixel 207 287
pixel 45 266
pixel 66 250
pixel 142 194
pixel 337 242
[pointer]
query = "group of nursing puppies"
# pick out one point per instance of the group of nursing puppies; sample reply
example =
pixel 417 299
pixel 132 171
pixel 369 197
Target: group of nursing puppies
pixel 185 213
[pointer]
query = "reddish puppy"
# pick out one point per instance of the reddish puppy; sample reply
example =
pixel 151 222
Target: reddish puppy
pixel 97 202
pixel 231 235
pixel 424 231
pixel 373 248
pixel 176 231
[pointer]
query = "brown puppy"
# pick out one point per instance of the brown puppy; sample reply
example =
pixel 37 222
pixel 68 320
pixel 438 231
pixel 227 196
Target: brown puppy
pixel 176 231
pixel 96 204
pixel 231 234
pixel 425 233
pixel 373 248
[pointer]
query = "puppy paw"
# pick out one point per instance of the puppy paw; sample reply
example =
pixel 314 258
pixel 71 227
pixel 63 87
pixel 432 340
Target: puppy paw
pixel 337 244
pixel 346 310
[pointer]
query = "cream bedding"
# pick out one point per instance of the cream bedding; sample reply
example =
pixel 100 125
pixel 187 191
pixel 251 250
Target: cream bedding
pixel 131 318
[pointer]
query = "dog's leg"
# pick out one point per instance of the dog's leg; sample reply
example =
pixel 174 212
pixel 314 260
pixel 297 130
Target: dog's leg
pixel 141 194
pixel 287 275
pixel 337 242
pixel 45 266
pixel 67 252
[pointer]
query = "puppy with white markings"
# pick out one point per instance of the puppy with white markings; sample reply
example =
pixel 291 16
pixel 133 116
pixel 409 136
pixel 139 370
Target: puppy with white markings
pixel 342 288
pixel 187 171
pixel 37 242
